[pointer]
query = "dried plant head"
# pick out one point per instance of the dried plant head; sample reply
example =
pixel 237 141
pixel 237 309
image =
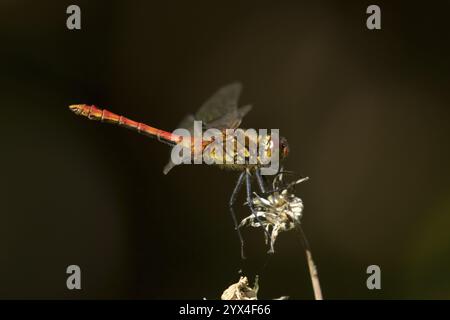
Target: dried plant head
pixel 281 210
pixel 241 290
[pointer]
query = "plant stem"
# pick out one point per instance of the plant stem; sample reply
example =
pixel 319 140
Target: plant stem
pixel 311 265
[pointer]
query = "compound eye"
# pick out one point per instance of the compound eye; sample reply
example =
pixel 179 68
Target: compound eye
pixel 285 151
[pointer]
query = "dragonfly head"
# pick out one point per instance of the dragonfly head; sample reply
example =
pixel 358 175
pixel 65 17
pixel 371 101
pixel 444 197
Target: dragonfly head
pixel 284 148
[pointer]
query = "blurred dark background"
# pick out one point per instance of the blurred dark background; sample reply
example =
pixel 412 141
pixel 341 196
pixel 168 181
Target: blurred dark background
pixel 366 114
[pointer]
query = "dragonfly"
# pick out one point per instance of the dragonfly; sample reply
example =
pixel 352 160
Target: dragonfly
pixel 220 112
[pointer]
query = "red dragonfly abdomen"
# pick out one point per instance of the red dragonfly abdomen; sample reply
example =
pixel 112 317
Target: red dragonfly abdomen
pixel 103 115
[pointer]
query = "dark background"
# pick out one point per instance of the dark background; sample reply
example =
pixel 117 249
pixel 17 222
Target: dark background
pixel 366 114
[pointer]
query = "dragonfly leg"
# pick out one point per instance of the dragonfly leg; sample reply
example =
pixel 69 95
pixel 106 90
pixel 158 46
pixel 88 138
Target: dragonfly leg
pixel 250 204
pixel 261 181
pixel 236 190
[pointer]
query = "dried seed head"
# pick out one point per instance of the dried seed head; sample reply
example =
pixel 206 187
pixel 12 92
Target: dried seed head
pixel 280 211
pixel 241 291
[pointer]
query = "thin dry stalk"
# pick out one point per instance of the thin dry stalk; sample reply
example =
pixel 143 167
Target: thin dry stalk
pixel 311 265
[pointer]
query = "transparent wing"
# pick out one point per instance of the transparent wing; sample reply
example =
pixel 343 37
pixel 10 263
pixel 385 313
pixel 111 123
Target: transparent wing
pixel 187 123
pixel 221 110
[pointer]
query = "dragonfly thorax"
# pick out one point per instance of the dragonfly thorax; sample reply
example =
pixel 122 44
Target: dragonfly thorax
pixel 233 149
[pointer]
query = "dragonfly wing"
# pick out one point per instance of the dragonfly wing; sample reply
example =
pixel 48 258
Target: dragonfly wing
pixel 221 108
pixel 188 124
pixel 219 111
pixel 230 120
pixel 244 110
